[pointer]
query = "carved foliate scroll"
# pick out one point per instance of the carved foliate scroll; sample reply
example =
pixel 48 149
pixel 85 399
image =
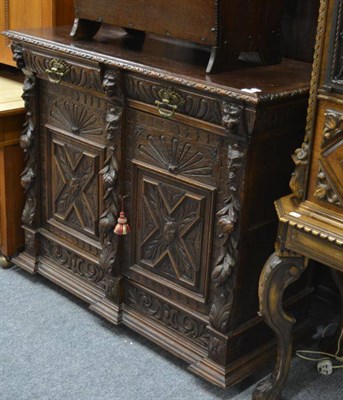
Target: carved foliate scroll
pixel 223 274
pixel 27 140
pixel 109 176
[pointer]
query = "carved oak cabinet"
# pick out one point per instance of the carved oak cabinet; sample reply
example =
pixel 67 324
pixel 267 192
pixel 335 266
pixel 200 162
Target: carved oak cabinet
pixel 200 161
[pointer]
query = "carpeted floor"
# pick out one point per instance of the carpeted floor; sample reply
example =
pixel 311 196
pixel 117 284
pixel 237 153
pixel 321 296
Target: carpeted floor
pixel 53 348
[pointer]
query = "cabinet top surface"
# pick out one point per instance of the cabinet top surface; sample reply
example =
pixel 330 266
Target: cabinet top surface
pixel 161 59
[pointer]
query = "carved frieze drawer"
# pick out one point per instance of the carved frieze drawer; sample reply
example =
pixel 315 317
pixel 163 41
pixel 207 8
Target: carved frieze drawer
pixel 62 70
pixel 170 99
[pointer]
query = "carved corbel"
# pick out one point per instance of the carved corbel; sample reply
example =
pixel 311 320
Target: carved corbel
pixel 112 83
pixel 18 55
pixel 232 117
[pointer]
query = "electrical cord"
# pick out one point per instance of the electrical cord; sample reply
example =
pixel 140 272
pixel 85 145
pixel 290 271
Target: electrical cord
pixel 324 364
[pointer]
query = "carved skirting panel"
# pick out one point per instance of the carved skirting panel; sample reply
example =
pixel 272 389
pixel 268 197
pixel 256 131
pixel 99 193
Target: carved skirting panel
pixel 68 259
pixel 168 315
pixel 196 106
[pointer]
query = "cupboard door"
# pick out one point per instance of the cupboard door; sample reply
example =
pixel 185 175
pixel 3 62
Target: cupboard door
pixel 73 149
pixel 174 170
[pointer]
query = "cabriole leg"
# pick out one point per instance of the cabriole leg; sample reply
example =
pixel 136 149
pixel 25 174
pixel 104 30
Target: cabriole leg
pixel 278 273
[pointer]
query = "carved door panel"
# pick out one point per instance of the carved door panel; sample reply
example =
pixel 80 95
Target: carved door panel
pixel 173 171
pixel 329 183
pixel 73 148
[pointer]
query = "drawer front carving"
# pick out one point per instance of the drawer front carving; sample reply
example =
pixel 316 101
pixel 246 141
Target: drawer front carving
pixel 46 67
pixel 329 186
pixel 188 103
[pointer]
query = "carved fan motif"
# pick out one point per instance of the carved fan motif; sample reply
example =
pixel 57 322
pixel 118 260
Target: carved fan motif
pixel 171 231
pixel 75 197
pixel 177 158
pixel 75 118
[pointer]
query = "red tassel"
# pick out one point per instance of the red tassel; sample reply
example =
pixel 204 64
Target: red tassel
pixel 122 227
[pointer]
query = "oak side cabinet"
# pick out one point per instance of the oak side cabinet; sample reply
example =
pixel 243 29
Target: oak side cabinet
pixel 199 160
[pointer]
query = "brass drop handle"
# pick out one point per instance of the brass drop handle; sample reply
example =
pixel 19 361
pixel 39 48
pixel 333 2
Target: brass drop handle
pixel 57 70
pixel 170 101
pixel 166 109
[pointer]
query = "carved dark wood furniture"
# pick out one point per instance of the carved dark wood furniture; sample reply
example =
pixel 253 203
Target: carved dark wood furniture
pixel 228 28
pixel 201 160
pixel 311 219
pixel 11 165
